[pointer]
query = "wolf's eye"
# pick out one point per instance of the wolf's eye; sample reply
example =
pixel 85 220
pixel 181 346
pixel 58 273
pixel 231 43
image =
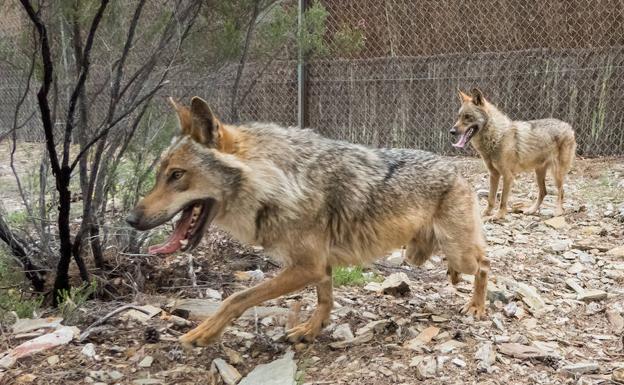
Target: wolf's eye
pixel 466 117
pixel 177 174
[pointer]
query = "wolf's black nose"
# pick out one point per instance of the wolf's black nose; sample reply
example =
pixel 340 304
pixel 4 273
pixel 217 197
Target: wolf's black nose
pixel 133 219
pixel 453 131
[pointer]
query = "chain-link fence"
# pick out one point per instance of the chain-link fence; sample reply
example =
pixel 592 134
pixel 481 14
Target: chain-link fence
pixel 534 59
pixel 388 71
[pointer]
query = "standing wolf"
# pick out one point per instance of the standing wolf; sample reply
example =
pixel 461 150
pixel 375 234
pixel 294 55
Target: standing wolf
pixel 508 147
pixel 311 202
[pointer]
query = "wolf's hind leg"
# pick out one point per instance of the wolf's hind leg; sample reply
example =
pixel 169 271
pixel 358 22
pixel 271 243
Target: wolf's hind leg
pixel 308 330
pixel 421 246
pixel 459 233
pixel 454 276
pixel 567 152
pixel 540 178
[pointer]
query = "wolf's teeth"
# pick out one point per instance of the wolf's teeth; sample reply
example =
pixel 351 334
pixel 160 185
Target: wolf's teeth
pixel 184 242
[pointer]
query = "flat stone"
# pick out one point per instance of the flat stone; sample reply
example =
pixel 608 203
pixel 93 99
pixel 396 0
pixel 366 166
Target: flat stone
pixel 521 351
pixel 279 372
pixel 581 368
pixel 374 326
pixel 228 373
pixel 53 360
pixel 200 309
pixel 423 338
pixel 147 381
pixel 146 362
pixel 560 245
pixel 449 346
pixel 343 333
pixel 593 295
pixel 396 284
pixel 618 375
pixel 373 286
pixel 427 367
pixel 616 320
pixel 396 258
pixel 115 375
pixel 363 338
pixel 214 294
pixel 510 309
pixel 89 350
pixel 149 311
pixel 576 268
pixel 556 222
pixel 233 356
pixel 529 296
pixel 459 362
pixel 26 325
pixel 616 252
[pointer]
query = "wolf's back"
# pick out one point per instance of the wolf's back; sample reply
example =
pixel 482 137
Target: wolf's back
pixel 352 192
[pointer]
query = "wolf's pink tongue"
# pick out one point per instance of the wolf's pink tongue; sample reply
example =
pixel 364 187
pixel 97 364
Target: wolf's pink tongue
pixel 172 244
pixel 462 140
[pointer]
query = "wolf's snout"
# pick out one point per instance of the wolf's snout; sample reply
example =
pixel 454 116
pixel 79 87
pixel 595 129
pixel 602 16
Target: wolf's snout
pixel 134 218
pixel 453 130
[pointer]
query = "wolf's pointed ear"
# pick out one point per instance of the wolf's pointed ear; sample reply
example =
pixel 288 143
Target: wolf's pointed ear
pixel 477 97
pixel 184 116
pixel 462 96
pixel 205 125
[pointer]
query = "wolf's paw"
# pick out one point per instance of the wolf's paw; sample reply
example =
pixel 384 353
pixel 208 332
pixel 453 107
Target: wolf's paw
pixel 476 310
pixel 500 216
pixel 306 331
pixel 203 335
pixel 532 210
pixel 559 211
pixel 486 213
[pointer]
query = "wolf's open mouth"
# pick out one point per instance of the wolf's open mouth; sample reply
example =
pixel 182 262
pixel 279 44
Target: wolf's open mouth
pixel 190 228
pixel 465 137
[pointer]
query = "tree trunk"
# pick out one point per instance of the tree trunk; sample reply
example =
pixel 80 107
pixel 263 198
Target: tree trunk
pixel 17 247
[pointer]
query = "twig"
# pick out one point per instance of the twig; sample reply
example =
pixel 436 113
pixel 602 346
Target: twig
pixel 102 320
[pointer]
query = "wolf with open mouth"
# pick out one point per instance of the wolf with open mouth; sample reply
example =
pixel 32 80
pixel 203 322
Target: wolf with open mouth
pixel 509 147
pixel 312 203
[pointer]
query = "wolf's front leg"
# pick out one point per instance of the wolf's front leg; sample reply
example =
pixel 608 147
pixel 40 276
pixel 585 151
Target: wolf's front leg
pixel 494 178
pixel 288 280
pixel 308 330
pixel 507 185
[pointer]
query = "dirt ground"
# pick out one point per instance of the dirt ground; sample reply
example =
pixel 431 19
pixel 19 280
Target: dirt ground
pixel 538 329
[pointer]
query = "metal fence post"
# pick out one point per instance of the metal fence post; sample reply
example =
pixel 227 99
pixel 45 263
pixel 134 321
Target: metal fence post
pixel 301 70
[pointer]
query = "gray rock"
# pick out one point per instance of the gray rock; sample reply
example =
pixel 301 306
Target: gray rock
pixel 396 284
pixel 89 350
pixel 146 362
pixel 427 367
pixel 278 372
pixel 396 258
pixel 343 333
pixel 459 362
pixel 560 245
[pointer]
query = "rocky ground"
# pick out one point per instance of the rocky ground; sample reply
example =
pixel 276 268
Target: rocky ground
pixel 556 302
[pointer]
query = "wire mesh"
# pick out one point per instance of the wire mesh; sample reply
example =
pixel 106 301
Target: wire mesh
pixel 390 69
